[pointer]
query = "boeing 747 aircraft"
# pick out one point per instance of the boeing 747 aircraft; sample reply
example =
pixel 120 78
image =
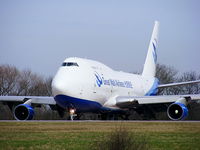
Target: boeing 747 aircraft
pixel 83 85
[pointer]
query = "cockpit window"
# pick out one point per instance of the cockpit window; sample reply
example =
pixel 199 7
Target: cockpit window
pixel 69 64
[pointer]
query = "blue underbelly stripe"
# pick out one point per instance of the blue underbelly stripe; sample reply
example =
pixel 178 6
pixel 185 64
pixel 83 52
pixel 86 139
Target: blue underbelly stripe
pixel 81 105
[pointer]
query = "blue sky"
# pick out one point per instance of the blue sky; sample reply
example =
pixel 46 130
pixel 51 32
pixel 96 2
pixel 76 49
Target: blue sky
pixel 39 35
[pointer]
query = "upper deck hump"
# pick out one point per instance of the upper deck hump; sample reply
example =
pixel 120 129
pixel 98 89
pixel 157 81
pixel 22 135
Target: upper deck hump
pixel 89 62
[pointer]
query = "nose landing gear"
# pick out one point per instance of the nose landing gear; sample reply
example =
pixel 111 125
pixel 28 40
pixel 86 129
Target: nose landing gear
pixel 72 113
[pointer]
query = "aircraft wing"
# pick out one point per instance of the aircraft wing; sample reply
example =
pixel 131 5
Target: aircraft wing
pixel 177 84
pixel 32 99
pixel 22 107
pixel 124 101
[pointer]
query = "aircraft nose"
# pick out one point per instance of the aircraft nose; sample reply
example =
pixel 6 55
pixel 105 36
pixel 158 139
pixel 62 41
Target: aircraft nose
pixel 58 86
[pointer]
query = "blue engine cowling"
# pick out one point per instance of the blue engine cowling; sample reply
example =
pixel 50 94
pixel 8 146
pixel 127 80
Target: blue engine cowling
pixel 23 112
pixel 177 111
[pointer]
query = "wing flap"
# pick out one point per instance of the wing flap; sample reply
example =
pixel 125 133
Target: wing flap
pixel 125 101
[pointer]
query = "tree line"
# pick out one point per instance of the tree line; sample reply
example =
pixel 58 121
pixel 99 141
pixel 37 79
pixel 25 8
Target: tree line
pixel 168 74
pixel 22 83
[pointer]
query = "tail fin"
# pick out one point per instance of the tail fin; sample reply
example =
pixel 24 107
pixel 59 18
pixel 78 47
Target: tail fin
pixel 151 58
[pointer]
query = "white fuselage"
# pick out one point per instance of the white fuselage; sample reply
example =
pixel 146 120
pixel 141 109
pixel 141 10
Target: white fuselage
pixel 89 80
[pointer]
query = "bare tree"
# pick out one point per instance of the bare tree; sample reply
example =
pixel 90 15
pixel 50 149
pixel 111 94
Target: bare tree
pixel 24 83
pixel 167 74
pixel 192 88
pixel 8 79
pixel 15 82
pixel 48 82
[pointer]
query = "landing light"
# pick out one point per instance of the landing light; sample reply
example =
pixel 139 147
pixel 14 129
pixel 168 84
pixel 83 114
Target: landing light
pixel 176 111
pixel 71 111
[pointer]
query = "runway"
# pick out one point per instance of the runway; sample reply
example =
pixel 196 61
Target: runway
pixel 114 121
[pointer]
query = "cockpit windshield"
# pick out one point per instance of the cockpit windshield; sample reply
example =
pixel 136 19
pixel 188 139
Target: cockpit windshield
pixel 70 64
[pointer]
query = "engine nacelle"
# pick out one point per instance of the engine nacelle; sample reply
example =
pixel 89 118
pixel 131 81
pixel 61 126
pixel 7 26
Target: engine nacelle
pixel 177 111
pixel 23 112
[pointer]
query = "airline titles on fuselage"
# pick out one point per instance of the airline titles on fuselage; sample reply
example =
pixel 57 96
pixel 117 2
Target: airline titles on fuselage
pixel 112 82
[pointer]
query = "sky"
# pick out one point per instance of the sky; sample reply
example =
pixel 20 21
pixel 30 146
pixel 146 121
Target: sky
pixel 38 35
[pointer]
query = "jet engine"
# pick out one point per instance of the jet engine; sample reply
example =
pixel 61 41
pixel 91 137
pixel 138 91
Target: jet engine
pixel 23 112
pixel 178 110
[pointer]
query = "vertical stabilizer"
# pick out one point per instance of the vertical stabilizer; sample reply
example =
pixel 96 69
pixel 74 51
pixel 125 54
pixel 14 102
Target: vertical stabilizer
pixel 151 58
